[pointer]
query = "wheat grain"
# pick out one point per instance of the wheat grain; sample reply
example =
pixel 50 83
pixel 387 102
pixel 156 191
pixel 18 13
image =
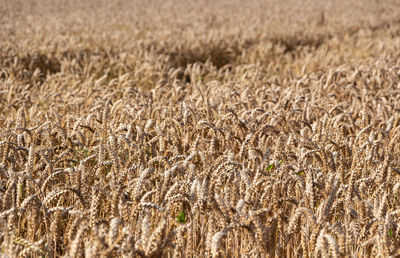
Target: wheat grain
pixel 200 134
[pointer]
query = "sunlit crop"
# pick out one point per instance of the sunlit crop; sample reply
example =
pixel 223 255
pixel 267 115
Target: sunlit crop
pixel 199 128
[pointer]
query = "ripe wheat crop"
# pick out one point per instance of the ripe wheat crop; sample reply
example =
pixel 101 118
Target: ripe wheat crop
pixel 199 128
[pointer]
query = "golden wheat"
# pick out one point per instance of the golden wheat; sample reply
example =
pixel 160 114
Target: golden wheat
pixel 199 128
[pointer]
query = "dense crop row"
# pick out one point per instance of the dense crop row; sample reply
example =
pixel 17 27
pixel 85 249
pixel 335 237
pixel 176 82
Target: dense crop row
pixel 188 128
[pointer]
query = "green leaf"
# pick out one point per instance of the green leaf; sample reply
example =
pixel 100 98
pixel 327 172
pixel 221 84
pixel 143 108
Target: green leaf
pixel 271 166
pixel 181 218
pixel 390 232
pixel 300 173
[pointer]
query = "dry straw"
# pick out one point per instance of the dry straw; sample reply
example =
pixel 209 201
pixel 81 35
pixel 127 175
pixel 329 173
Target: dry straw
pixel 195 130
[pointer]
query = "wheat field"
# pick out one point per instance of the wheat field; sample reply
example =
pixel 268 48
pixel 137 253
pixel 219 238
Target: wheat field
pixel 199 128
